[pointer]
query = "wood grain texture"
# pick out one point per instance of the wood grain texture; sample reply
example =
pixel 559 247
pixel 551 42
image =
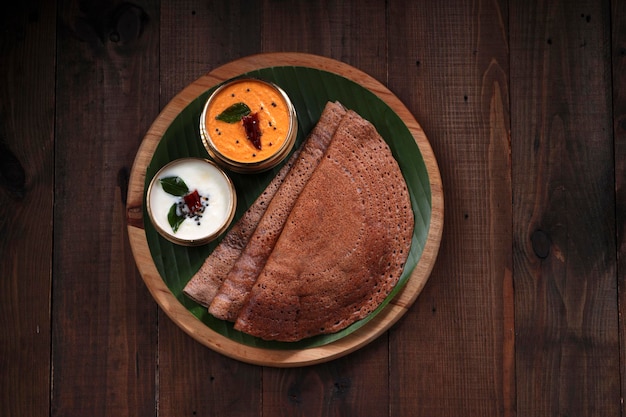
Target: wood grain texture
pixel 26 204
pixel 618 58
pixel 214 33
pixel 356 385
pixel 460 332
pixel 566 317
pixel 198 36
pixel 196 381
pixel 97 73
pixel 351 32
pixel 104 322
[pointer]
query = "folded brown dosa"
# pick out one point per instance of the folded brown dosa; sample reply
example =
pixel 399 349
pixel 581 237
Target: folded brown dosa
pixel 203 286
pixel 236 286
pixel 343 246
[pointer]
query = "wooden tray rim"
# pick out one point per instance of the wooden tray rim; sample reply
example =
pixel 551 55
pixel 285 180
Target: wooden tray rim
pixel 190 323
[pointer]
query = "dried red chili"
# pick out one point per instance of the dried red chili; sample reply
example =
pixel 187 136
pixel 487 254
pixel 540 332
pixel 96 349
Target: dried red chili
pixel 193 202
pixel 253 130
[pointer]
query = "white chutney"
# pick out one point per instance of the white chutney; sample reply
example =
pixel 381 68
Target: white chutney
pixel 210 182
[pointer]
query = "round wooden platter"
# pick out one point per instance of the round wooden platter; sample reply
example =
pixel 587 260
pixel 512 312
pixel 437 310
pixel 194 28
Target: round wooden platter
pixel 191 324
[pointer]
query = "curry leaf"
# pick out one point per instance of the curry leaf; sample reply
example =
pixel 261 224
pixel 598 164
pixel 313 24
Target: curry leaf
pixel 174 185
pixel 174 218
pixel 234 113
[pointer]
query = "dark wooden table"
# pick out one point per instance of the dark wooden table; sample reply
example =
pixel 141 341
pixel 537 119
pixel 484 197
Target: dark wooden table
pixel 524 103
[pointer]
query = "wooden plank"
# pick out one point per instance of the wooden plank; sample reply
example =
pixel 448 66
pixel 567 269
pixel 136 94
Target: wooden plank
pixel 104 322
pixel 355 385
pixel 27 89
pixel 452 354
pixel 618 53
pixel 195 380
pixel 353 32
pixel 214 33
pixel 567 353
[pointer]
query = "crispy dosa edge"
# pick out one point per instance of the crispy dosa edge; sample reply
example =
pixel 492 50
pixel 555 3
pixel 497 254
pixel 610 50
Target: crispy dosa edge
pixel 205 283
pixel 298 295
pixel 237 284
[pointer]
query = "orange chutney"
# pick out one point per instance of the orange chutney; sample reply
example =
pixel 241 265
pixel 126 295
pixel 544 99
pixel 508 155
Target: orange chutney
pixel 230 138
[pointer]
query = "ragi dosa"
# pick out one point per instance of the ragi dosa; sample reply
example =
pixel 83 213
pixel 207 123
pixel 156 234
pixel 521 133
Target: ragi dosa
pixel 203 286
pixel 205 283
pixel 343 246
pixel 236 286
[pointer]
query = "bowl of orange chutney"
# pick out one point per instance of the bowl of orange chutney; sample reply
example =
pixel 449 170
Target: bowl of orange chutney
pixel 248 125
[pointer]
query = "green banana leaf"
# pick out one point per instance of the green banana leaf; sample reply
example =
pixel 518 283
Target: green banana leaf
pixel 309 90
